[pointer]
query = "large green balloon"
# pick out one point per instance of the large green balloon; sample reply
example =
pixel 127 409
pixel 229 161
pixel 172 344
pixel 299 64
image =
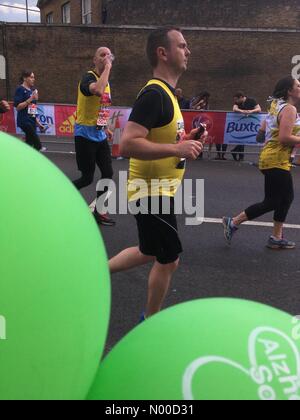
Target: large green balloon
pixel 212 349
pixel 54 281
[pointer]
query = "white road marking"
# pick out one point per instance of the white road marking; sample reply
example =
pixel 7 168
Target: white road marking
pixel 260 224
pixel 219 221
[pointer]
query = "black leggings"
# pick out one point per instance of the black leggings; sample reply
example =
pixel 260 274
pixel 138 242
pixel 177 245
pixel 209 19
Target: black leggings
pixel 279 195
pixel 32 139
pixel 88 155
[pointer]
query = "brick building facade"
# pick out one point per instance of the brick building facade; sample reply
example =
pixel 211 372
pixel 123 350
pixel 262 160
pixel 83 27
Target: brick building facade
pixel 79 11
pixel 236 44
pixel 216 13
pixel 199 13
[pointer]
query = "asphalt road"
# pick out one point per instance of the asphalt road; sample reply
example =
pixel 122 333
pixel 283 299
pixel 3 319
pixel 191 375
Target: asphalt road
pixel 209 268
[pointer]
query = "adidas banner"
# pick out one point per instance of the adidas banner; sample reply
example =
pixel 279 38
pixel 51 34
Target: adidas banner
pixel 65 118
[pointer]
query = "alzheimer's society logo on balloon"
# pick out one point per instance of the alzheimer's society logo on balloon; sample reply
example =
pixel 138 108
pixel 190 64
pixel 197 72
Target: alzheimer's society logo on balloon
pixel 273 371
pixel 296 328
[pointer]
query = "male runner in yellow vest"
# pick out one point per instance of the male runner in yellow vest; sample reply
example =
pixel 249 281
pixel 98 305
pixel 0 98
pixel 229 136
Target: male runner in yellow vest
pixel 91 129
pixel 153 140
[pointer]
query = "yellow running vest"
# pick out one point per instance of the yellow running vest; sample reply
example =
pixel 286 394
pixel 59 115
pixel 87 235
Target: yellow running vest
pixel 158 177
pixel 88 106
pixel 275 154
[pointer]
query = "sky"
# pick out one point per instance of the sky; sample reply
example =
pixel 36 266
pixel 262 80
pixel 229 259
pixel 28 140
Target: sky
pixel 8 14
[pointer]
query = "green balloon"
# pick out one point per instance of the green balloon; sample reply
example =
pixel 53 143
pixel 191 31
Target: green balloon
pixel 210 349
pixel 54 281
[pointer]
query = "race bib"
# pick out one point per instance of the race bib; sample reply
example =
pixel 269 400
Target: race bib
pixel 32 109
pixel 103 116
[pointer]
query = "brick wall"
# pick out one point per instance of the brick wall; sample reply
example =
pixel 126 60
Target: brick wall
pixel 221 62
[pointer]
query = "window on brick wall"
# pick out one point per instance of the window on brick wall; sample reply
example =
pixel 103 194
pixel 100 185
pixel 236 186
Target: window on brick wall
pixel 86 7
pixel 50 18
pixel 66 13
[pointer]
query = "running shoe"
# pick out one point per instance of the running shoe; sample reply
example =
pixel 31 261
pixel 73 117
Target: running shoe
pixel 43 149
pixel 229 229
pixel 103 219
pixel 274 243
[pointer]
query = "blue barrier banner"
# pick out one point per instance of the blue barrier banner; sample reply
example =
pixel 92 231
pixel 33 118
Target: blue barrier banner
pixel 242 129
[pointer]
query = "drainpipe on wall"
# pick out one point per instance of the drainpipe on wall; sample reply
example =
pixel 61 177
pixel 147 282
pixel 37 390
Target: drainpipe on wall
pixel 4 42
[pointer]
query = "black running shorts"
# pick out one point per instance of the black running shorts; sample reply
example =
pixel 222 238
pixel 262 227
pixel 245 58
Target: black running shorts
pixel 158 233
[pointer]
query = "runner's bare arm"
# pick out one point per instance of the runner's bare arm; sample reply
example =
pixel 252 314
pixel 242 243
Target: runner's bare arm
pixel 134 144
pixel 98 88
pixel 261 135
pixel 287 120
pixel 25 104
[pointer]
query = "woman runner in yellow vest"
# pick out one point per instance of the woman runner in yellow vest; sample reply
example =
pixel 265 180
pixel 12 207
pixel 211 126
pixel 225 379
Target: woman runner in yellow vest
pixel 282 133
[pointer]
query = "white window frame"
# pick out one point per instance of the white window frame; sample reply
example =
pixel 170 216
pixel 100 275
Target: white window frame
pixel 66 13
pixel 86 8
pixel 50 18
pixel 2 67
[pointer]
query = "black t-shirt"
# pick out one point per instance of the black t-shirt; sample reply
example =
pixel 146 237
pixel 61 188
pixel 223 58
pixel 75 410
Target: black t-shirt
pixel 85 83
pixel 184 103
pixel 153 107
pixel 249 105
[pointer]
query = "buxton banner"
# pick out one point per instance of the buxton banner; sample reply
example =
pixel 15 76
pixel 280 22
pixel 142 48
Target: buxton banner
pixel 242 129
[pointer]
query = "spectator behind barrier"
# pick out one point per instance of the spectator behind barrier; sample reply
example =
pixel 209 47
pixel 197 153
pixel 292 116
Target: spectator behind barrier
pixel 184 103
pixel 200 102
pixel 247 106
pixel 4 106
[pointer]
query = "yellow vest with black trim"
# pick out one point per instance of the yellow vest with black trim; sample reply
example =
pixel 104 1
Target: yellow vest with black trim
pixel 88 106
pixel 159 177
pixel 275 154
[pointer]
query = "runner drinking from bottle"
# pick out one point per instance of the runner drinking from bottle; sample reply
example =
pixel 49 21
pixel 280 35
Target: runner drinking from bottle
pixel 91 129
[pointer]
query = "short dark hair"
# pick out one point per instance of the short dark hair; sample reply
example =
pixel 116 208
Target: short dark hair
pixel 159 38
pixel 239 94
pixel 25 74
pixel 282 88
pixel 204 94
